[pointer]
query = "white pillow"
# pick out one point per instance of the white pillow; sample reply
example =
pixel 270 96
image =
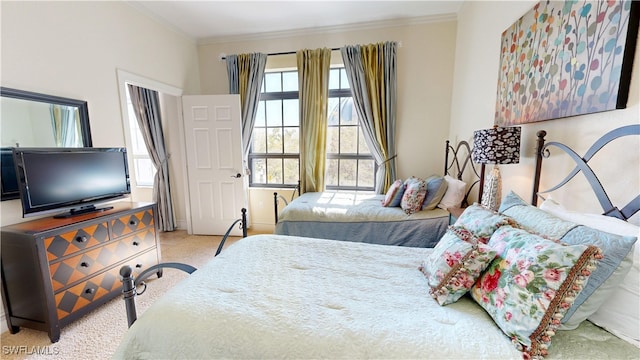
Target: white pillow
pixel 620 313
pixel 455 193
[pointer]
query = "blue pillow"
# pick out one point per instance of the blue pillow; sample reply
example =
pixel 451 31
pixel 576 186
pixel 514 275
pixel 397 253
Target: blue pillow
pixel 436 188
pixel 610 271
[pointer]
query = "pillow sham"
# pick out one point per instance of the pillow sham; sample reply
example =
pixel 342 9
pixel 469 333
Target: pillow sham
pixel 436 188
pixel 394 194
pixel 611 270
pixel 454 194
pixel 414 194
pixel 615 315
pixel 530 285
pixel 481 222
pixel 454 265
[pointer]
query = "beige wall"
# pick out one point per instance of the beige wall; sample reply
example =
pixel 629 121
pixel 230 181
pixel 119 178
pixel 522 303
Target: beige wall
pixel 425 71
pixel 72 49
pixel 480 25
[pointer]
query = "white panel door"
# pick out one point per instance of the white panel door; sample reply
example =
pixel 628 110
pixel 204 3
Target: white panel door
pixel 213 141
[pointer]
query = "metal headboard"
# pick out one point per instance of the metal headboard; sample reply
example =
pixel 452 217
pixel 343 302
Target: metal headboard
pixel 457 164
pixel 581 166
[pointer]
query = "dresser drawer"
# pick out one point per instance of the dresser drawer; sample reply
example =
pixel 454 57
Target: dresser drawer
pixel 99 286
pixel 137 242
pixel 73 269
pixel 70 242
pixel 131 223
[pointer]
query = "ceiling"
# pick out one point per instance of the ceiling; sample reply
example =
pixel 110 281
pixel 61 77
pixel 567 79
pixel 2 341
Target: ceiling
pixel 219 19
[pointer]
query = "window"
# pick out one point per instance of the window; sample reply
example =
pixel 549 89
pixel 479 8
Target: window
pixel 143 169
pixel 274 158
pixel 350 165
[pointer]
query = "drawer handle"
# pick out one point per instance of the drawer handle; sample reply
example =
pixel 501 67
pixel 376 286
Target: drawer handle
pixel 84 264
pixel 139 266
pixel 133 222
pixel 135 243
pixel 81 239
pixel 90 291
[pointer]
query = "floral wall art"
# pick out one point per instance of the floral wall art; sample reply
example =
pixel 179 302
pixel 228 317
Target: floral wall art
pixel 566 58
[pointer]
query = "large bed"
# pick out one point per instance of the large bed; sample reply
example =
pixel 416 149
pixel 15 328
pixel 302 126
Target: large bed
pixel 277 296
pixel 361 217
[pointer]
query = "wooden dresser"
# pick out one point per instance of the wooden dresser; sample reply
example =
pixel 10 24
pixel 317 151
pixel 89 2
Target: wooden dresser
pixel 56 270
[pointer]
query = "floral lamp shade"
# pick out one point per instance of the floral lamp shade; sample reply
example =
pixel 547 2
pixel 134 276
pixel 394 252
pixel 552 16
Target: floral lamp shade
pixel 498 145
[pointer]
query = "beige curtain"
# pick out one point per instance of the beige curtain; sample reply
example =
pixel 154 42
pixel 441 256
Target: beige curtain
pixel 313 88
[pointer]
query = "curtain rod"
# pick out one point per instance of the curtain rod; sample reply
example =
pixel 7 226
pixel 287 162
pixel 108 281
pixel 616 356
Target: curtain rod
pixel 224 56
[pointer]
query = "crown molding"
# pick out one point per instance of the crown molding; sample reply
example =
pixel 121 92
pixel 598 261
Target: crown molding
pixel 328 29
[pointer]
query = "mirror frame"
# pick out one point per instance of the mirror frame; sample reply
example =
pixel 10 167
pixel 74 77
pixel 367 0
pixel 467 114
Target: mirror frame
pixel 83 110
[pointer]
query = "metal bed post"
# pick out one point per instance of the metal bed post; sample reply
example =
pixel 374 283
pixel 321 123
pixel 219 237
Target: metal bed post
pixel 536 180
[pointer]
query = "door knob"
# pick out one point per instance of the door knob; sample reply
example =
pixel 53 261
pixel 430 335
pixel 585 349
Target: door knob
pixel 238 175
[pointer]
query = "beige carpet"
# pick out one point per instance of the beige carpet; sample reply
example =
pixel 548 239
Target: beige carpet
pixel 96 335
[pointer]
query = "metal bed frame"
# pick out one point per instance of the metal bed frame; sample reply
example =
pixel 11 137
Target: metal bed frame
pixel 454 166
pixel 542 151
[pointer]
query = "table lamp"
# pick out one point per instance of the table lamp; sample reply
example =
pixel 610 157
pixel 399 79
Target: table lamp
pixel 498 145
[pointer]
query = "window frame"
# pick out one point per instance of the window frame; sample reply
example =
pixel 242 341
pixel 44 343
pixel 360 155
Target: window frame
pixel 266 96
pixel 346 93
pixel 290 95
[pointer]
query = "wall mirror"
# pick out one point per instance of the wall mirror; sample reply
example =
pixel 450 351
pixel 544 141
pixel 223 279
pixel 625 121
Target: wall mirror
pixel 31 119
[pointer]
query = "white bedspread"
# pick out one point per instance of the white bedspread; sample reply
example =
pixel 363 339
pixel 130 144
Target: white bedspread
pixel 272 296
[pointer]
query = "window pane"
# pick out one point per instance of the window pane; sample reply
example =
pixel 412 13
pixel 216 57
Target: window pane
pixel 334 79
pixel 291 140
pixel 272 82
pixel 363 148
pixel 259 171
pixel 274 140
pixel 365 173
pixel 274 171
pixel 332 139
pixel 348 139
pixel 137 142
pixel 348 172
pixel 259 140
pixel 291 112
pixel 347 111
pixel 290 81
pixel 260 121
pixel 291 171
pixel 331 177
pixel 144 171
pixel 274 112
pixel 344 81
pixel 333 110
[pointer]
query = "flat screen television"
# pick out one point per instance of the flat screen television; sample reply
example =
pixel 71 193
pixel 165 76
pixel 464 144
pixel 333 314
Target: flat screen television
pixel 70 181
pixel 8 178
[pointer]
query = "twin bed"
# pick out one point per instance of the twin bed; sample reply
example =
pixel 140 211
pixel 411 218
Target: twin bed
pixel 275 296
pixel 360 217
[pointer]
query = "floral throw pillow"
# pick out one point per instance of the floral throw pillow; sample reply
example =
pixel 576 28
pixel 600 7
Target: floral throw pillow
pixel 481 222
pixel 454 265
pixel 394 194
pixel 530 285
pixel 414 195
